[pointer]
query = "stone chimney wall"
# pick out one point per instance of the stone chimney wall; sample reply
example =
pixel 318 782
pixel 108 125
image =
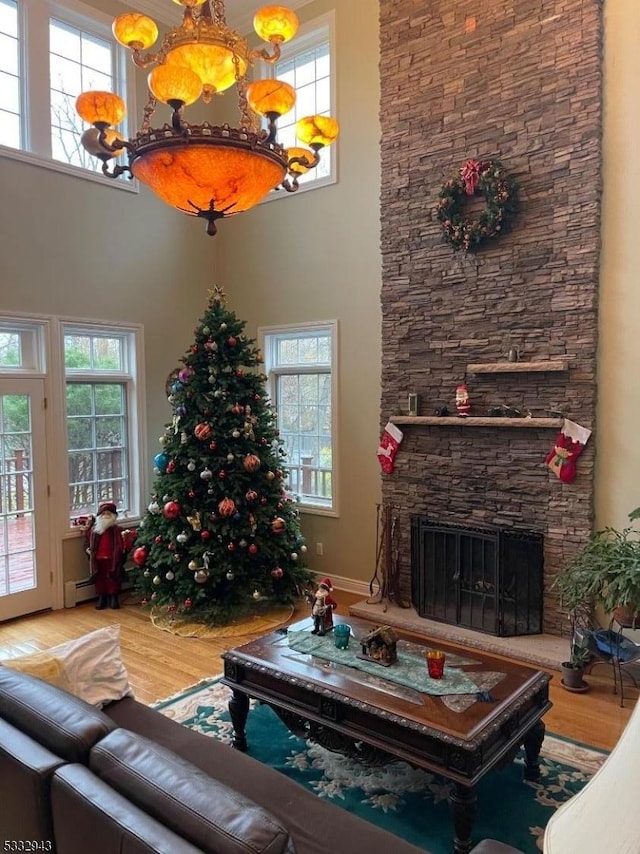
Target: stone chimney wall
pixel 518 81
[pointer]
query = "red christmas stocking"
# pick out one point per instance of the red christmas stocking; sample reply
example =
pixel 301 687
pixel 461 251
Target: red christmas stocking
pixel 388 448
pixel 570 443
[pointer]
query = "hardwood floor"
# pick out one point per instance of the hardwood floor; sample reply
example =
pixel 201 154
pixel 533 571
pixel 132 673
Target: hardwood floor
pixel 160 664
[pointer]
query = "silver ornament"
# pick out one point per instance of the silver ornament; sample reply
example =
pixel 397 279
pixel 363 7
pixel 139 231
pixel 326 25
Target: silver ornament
pixel 257 595
pixel 303 549
pixel 191 465
pixel 236 434
pixel 146 573
pixel 154 507
pixel 206 474
pixel 157 579
pixel 182 537
pixel 230 576
pixel 169 576
pixel 294 556
pixel 230 458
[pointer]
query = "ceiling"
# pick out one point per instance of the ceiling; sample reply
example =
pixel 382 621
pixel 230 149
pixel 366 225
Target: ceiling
pixel 239 13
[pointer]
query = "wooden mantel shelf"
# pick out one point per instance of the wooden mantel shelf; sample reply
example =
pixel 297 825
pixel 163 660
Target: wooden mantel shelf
pixel 519 367
pixel 474 421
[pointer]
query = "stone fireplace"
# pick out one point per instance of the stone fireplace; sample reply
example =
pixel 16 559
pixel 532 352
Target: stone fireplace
pixel 518 81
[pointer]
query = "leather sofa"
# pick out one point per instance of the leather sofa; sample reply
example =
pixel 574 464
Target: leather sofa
pixel 128 780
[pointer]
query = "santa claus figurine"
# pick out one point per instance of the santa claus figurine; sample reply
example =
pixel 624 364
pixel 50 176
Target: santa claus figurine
pixel 322 605
pixel 107 548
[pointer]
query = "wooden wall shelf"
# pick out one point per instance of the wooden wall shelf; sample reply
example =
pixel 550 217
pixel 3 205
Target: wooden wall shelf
pixel 519 367
pixel 474 421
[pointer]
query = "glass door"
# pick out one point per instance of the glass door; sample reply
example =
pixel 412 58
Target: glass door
pixel 25 573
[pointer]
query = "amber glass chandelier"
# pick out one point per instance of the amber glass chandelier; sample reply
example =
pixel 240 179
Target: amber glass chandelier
pixel 206 170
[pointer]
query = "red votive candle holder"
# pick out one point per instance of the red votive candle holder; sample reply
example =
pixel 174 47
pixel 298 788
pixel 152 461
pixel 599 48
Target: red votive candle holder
pixel 435 663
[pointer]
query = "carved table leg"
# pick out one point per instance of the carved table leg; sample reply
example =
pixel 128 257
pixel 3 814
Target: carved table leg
pixel 238 711
pixel 532 744
pixel 464 805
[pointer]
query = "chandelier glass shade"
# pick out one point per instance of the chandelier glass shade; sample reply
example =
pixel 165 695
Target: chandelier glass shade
pixel 206 170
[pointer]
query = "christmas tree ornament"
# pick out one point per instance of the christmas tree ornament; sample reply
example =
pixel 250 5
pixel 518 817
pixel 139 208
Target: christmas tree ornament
pixel 205 330
pixel 191 493
pixel 213 446
pixel 183 438
pixel 139 556
pixel 210 491
pixel 236 408
pixel 294 555
pixel 388 448
pixel 251 463
pixel 194 520
pixel 235 434
pixel 239 372
pixel 227 507
pixel 166 497
pixel 154 507
pixel 278 525
pixel 463 404
pixel 211 346
pixel 172 547
pixel 242 543
pixel 163 440
pixel 303 549
pixel 157 580
pixel 277 572
pixel 185 375
pixel 212 379
pixel 206 474
pixel 154 596
pixel 257 595
pixel 171 466
pixel 177 558
pixel 223 327
pixel 160 462
pixel 570 443
pixel 270 475
pixel 169 575
pixel 202 431
pixel 191 465
pixel 146 573
pixel 182 537
pixel 193 565
pixel 201 576
pixel 263 499
pixel 251 495
pixel 230 458
pixel 231 341
pixel 230 576
pixel 171 510
pixel 222 474
pixel 204 534
pixel 231 547
pixel 187 603
pixel 253 549
pixel 157 540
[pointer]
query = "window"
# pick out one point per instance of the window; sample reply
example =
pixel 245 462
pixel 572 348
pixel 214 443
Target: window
pixel 300 363
pixel 49 53
pixel 307 65
pixel 100 417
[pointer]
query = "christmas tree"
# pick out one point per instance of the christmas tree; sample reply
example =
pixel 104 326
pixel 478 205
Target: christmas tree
pixel 220 538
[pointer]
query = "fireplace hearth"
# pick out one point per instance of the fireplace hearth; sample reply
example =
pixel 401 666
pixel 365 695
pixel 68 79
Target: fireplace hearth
pixel 487 579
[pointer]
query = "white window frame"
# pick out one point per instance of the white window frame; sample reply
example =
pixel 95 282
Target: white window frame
pixel 309 35
pixel 267 337
pixel 131 378
pixel 35 108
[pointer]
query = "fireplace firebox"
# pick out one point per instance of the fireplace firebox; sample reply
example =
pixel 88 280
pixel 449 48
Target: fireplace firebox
pixel 488 579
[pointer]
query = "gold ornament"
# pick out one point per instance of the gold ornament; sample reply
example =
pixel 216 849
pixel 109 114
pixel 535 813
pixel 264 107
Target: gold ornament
pixel 194 521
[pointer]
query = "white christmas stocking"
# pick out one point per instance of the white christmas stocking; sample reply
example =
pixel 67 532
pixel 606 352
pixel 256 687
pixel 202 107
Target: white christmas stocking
pixel 388 448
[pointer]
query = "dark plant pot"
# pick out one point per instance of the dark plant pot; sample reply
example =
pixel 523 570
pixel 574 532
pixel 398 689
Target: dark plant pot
pixel 572 677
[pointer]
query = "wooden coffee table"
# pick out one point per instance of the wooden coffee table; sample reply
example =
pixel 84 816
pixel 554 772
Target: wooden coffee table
pixel 367 715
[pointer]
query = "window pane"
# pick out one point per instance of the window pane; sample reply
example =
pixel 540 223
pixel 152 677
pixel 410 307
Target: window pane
pixel 8 54
pixel 79 399
pixel 79 433
pixel 64 41
pixel 9 17
pixel 77 351
pixel 9 93
pixel 109 399
pixel 109 432
pixel 66 76
pixel 108 354
pixel 97 55
pixel 9 129
pixel 10 351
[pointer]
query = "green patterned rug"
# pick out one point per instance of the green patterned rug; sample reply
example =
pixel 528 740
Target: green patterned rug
pixel 404 800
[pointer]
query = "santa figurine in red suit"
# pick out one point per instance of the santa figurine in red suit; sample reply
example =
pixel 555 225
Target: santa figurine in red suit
pixel 107 547
pixel 322 606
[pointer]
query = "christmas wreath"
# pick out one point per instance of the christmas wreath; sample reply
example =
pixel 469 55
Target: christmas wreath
pixel 487 178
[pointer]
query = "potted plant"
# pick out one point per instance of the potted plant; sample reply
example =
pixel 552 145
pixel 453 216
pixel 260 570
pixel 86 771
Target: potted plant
pixel 606 572
pixel 573 669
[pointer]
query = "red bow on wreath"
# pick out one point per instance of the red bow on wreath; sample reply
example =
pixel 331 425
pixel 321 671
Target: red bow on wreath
pixel 470 174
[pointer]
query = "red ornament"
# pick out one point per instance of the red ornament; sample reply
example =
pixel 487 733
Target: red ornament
pixel 253 549
pixel 239 372
pixel 227 507
pixel 158 540
pixel 251 462
pixel 171 466
pixel 212 446
pixel 278 525
pixel 222 474
pixel 277 572
pixel 251 495
pixel 231 341
pixel 263 500
pixel 231 547
pixel 202 431
pixel 187 603
pixel 171 510
pixel 205 534
pixel 191 493
pixel 237 409
pixel 139 556
pixel 172 547
pixel 257 397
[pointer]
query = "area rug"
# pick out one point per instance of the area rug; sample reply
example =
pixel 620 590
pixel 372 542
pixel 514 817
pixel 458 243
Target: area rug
pixel 405 801
pixel 255 624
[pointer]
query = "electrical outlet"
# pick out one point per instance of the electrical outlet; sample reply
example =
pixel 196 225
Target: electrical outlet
pixel 319 549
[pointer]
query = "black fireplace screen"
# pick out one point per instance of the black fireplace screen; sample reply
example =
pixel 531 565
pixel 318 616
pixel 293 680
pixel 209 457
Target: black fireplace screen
pixel 489 579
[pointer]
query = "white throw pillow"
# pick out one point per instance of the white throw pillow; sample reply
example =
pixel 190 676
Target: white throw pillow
pixel 90 666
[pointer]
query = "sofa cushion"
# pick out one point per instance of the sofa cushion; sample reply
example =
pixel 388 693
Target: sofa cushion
pixel 64 724
pixel 26 768
pixel 188 801
pixel 492 846
pixel 298 809
pixel 88 815
pixel 90 666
